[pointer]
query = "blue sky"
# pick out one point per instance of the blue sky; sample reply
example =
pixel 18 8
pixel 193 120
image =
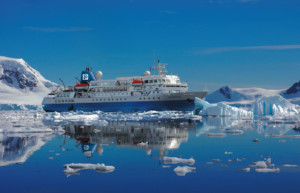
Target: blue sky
pixel 209 43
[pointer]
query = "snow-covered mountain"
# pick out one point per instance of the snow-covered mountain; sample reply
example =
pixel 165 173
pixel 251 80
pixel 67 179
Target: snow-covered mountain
pixel 243 96
pixel 293 93
pixel 21 84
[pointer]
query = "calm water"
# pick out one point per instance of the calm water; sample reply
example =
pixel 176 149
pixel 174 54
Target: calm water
pixel 34 162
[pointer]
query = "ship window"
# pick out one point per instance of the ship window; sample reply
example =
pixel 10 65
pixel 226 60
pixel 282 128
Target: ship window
pixel 149 98
pixel 120 99
pixel 153 97
pixel 150 81
pixel 168 80
pixel 163 80
pixel 159 80
pixel 144 98
pixel 155 81
pixel 56 101
pixel 146 81
pixel 158 97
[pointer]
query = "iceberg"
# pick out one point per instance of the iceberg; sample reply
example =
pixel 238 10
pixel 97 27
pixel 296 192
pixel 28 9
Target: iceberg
pixel 220 109
pixel 175 160
pixel 182 171
pixel 274 105
pixel 74 168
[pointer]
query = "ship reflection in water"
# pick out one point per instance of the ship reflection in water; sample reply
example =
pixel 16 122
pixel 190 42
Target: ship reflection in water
pixel 149 136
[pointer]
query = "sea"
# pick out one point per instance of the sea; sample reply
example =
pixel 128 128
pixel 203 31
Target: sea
pixel 153 153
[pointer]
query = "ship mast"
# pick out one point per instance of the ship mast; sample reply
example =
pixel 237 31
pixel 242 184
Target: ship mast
pixel 160 67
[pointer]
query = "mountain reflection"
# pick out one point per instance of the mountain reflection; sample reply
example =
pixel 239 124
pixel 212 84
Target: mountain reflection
pixel 161 136
pixel 16 148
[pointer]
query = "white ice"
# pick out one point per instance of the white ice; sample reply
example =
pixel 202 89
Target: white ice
pixel 220 109
pixel 182 171
pixel 274 105
pixel 175 160
pixel 74 168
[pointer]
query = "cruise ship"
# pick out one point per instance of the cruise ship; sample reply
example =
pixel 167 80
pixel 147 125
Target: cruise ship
pixel 158 91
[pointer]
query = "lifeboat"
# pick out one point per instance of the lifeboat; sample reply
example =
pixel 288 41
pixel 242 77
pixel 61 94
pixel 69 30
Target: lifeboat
pixel 81 86
pixel 136 82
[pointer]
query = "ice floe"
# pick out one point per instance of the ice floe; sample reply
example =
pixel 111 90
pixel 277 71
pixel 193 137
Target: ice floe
pixel 289 165
pixel 267 170
pixel 176 160
pixel 234 131
pixel 182 171
pixel 246 169
pixel 74 117
pixel 265 166
pixel 216 135
pixel 74 168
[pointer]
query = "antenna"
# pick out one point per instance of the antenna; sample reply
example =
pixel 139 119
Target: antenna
pixel 63 83
pixel 153 56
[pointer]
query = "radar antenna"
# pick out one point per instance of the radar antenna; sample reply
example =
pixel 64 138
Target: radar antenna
pixel 160 67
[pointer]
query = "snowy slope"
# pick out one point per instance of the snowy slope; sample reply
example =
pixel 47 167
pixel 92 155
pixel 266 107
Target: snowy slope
pixel 21 84
pixel 230 95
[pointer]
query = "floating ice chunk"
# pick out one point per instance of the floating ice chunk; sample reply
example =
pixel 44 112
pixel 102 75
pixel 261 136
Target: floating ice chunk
pixel 234 131
pixel 182 171
pixel 70 171
pixel 216 134
pixel 51 158
pixel 165 166
pixel 261 164
pixel 76 167
pixel 246 169
pixel 220 109
pixel 209 163
pixel 268 161
pixel 175 160
pixel 215 160
pixel 289 165
pixel 274 105
pixel 228 153
pixel 267 170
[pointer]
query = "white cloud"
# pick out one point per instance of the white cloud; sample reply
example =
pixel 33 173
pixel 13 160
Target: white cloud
pixel 49 29
pixel 228 49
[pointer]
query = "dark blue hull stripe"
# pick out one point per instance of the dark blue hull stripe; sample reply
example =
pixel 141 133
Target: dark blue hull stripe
pixel 182 105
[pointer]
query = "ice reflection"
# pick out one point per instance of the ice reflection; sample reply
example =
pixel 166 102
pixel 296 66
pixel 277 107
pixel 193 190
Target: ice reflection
pixel 221 125
pixel 149 136
pixel 17 148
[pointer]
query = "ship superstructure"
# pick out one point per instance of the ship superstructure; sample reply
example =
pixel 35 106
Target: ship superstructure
pixel 138 93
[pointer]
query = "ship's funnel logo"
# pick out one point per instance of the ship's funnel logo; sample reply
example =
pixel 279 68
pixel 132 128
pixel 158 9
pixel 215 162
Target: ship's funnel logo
pixel 85 77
